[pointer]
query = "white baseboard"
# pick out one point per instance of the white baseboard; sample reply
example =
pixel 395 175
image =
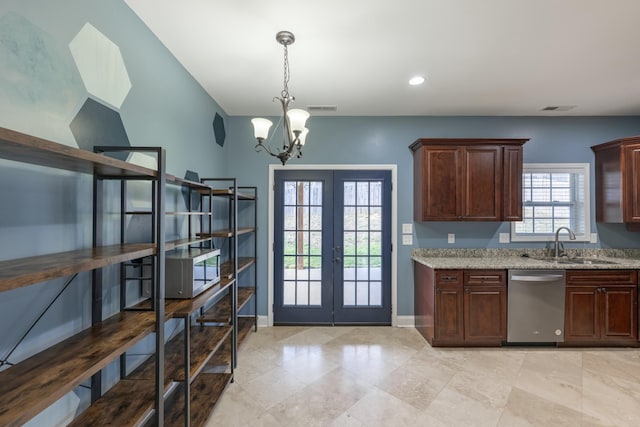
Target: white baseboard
pixel 406 322
pixel 263 321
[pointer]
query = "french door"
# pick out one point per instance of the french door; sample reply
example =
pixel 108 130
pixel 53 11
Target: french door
pixel 332 247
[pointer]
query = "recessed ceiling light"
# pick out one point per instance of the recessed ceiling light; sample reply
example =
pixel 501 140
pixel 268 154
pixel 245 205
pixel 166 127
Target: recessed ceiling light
pixel 417 80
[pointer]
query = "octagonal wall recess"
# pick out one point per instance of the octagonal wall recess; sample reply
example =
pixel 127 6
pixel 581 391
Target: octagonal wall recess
pixel 101 66
pixel 97 124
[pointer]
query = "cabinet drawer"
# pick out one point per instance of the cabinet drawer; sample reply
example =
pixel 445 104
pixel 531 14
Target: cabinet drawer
pixel 448 278
pixel 485 277
pixel 601 277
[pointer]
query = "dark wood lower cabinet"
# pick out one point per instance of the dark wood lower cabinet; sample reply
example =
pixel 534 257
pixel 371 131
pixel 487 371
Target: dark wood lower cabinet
pixel 461 307
pixel 601 307
pixel 469 307
pixel 485 307
pixel 449 307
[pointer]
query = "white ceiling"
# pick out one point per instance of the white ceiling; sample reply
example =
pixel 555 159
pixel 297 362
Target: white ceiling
pixel 480 57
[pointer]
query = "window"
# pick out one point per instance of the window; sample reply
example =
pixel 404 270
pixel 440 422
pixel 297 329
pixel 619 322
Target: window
pixel 553 195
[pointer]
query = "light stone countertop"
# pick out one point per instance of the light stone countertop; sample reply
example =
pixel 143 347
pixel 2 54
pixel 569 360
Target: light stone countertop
pixel 505 259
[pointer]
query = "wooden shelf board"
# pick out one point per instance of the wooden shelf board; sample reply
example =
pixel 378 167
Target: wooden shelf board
pixel 204 343
pixel 226 269
pixel 169 213
pixel 228 232
pixel 186 242
pixel 184 307
pixel 229 193
pixel 221 311
pixel 245 325
pixel 244 295
pixel 200 187
pixel 129 402
pixel 25 148
pixel 221 359
pixel 205 393
pixel 27 271
pixel 32 385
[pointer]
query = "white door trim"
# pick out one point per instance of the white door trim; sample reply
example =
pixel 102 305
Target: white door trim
pixel 394 228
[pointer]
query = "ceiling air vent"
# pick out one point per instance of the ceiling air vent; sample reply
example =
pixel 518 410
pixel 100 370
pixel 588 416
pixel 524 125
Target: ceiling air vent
pixel 558 108
pixel 322 108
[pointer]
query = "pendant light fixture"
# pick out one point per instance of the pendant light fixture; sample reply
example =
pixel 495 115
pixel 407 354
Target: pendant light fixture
pixel 294 120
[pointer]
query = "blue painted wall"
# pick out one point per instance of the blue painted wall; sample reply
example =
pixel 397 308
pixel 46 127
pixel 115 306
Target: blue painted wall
pixel 385 140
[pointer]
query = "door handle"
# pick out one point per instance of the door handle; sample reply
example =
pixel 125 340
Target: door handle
pixel 337 259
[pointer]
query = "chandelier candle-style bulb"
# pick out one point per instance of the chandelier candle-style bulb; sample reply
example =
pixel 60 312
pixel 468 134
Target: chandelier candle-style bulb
pixel 261 128
pixel 297 120
pixel 303 136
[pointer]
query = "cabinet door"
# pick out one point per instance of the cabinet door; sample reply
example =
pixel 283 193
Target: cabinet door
pixel 482 187
pixel 618 313
pixel 631 171
pixel 512 184
pixel 581 317
pixel 441 184
pixel 485 306
pixel 449 307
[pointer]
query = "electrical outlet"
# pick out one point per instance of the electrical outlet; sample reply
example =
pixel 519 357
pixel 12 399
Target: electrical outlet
pixel 451 238
pixel 504 238
pixel 594 238
pixel 407 239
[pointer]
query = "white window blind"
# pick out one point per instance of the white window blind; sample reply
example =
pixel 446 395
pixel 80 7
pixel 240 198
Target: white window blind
pixel 553 195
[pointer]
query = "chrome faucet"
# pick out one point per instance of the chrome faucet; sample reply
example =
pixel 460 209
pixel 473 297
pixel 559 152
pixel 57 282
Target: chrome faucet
pixel 572 236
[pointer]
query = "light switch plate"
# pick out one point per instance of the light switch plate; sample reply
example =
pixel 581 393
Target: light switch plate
pixel 451 238
pixel 407 228
pixel 504 238
pixel 594 238
pixel 407 239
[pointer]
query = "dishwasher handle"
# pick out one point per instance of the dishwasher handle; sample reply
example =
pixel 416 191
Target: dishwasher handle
pixel 539 278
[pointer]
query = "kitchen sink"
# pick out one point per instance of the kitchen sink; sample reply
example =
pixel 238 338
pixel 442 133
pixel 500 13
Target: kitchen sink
pixel 586 261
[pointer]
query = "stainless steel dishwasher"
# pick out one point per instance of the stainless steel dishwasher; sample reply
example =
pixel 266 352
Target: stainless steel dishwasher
pixel 535 306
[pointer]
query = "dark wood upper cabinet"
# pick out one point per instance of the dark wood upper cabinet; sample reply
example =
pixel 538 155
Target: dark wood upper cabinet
pixel 459 179
pixel 618 182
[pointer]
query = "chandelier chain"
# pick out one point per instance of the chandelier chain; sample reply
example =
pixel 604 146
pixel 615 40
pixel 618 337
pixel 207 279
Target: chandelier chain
pixel 285 91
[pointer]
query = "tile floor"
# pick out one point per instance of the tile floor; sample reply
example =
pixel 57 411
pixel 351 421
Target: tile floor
pixel 382 376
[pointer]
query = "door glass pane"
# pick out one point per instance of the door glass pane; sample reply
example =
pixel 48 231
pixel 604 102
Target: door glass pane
pixel 302 293
pixel 349 218
pixel 315 218
pixel 375 268
pixel 315 243
pixel 349 293
pixel 302 247
pixel 375 196
pixel 375 218
pixel 375 243
pixel 362 293
pixel 362 250
pixel 375 293
pixel 349 193
pixel 289 297
pixel 363 218
pixel 289 218
pixel 362 193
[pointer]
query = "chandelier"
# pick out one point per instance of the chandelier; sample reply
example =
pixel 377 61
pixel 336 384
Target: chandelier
pixel 294 120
